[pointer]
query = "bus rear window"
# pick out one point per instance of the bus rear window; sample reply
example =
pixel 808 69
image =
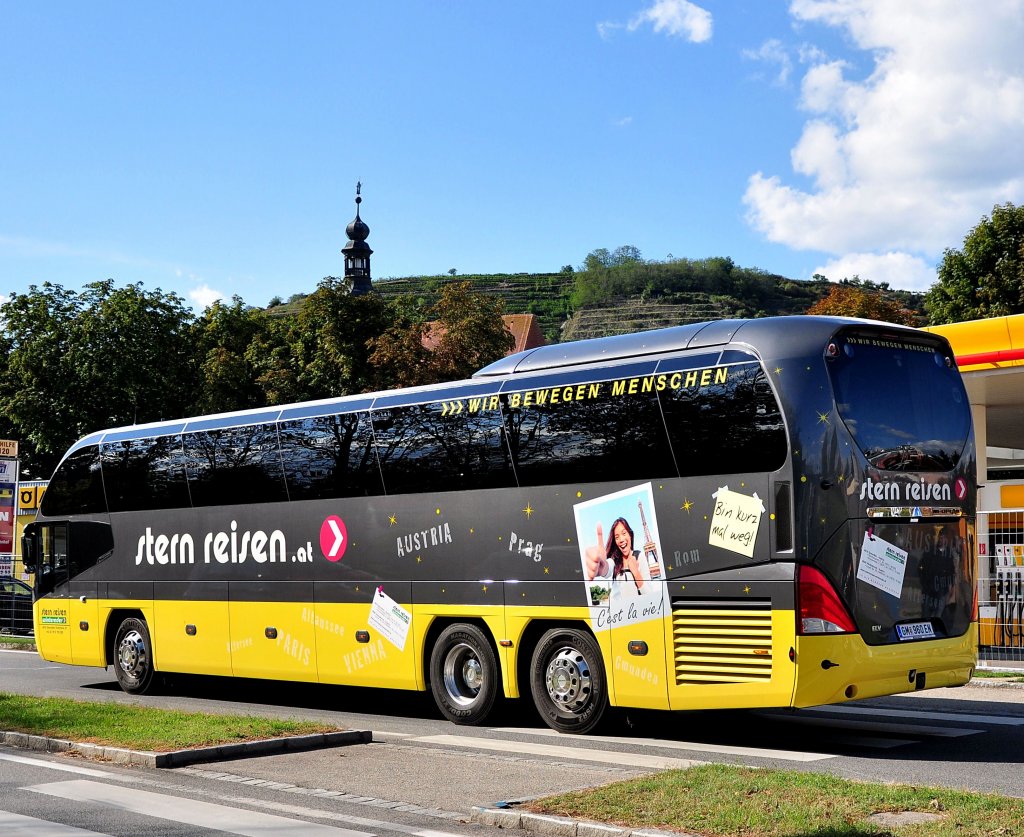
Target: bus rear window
pixel 903 402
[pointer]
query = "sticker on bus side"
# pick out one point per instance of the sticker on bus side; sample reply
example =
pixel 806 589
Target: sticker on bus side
pixel 736 520
pixel 620 553
pixel 389 618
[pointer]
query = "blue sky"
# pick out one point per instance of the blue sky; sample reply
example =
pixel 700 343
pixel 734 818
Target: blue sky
pixel 213 149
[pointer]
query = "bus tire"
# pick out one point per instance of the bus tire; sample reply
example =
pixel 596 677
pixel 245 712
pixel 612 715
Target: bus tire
pixel 133 657
pixel 464 674
pixel 568 681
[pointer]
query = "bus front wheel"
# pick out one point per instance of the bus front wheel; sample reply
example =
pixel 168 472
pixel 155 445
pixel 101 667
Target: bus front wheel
pixel 133 656
pixel 567 680
pixel 464 674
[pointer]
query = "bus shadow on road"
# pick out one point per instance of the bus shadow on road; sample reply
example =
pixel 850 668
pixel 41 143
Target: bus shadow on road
pixel 234 694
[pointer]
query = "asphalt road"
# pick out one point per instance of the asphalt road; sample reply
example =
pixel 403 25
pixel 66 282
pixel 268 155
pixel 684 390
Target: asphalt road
pixel 49 796
pixel 971 737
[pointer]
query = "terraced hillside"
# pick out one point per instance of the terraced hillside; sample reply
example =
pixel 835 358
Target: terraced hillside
pixel 624 315
pixel 544 294
pixel 574 306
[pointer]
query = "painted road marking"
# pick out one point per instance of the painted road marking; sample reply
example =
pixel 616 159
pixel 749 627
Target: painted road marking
pixel 189 811
pixel 641 760
pixel 725 749
pixel 52 765
pixel 18 825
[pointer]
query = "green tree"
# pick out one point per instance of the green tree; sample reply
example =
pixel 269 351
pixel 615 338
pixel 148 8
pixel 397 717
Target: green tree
pixel 228 377
pixel 79 362
pixel 271 355
pixel 465 332
pixel 472 332
pixel 849 299
pixel 986 277
pixel 626 254
pixel 329 342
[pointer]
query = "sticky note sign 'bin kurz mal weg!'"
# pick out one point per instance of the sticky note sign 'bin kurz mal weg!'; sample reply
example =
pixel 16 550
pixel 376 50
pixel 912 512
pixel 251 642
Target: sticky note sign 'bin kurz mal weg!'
pixel 736 520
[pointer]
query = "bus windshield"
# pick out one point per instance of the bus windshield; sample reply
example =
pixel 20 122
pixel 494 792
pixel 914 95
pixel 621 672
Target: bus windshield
pixel 903 402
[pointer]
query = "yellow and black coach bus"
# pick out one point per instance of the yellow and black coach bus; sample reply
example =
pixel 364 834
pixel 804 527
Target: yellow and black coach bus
pixel 742 513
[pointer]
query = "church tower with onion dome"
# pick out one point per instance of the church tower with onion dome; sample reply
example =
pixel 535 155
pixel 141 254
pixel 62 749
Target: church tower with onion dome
pixel 357 252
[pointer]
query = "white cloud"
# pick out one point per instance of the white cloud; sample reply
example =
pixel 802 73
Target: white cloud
pixel 773 53
pixel 676 18
pixel 900 270
pixel 204 296
pixel 819 155
pixel 623 122
pixel 903 162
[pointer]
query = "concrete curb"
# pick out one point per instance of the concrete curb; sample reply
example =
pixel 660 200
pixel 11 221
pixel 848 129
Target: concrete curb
pixel 561 826
pixel 181 758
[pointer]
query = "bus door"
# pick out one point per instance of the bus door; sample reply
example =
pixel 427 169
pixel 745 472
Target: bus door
pixel 53 607
pixel 83 617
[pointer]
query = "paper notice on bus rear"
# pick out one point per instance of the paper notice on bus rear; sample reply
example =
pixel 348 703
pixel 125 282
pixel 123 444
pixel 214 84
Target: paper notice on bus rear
pixel 390 618
pixel 882 565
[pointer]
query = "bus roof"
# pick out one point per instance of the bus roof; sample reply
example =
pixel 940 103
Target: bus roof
pixel 759 334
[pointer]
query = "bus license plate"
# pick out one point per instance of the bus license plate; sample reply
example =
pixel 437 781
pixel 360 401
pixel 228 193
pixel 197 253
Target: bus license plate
pixel 915 630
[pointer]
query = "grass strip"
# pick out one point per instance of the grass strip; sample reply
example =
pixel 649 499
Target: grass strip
pixel 718 799
pixel 1009 676
pixel 137 727
pixel 17 641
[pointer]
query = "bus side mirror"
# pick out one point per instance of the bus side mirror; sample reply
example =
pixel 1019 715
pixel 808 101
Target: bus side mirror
pixel 28 553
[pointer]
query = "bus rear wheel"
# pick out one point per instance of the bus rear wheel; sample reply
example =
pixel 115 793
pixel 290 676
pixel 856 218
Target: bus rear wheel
pixel 464 674
pixel 567 680
pixel 133 657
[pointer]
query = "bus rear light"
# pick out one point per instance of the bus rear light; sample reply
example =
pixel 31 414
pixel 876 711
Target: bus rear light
pixel 821 611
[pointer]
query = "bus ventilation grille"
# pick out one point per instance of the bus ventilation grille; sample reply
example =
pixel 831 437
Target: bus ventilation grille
pixel 722 641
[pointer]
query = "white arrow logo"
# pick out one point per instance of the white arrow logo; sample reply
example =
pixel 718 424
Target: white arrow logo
pixel 333 538
pixel 339 538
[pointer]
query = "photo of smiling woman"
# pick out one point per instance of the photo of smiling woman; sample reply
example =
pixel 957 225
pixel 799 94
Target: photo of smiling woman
pixel 619 563
pixel 615 559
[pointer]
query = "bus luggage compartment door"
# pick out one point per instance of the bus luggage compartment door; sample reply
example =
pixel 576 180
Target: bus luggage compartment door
pixel 638 648
pixel 730 651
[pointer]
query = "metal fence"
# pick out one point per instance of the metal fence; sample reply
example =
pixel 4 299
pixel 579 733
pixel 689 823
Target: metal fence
pixel 1001 588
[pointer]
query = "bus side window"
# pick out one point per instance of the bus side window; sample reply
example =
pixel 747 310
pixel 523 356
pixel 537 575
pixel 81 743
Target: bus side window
pixel 145 474
pixel 729 427
pixel 428 448
pixel 604 435
pixel 234 466
pixel 330 456
pixel 77 486
pixel 89 542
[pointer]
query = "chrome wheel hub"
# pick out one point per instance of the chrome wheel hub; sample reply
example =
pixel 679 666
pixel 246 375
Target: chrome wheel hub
pixel 569 681
pixel 463 674
pixel 131 654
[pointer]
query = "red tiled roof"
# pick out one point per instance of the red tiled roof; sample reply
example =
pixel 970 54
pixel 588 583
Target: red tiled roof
pixel 525 330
